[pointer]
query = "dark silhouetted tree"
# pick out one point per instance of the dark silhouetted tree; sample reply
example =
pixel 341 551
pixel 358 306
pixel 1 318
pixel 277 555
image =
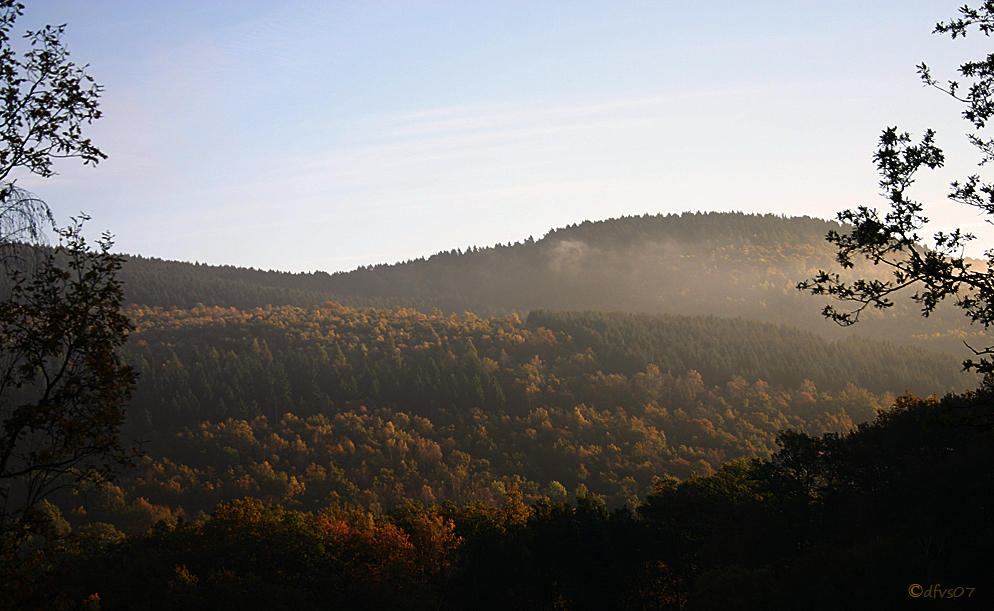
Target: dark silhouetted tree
pixel 892 238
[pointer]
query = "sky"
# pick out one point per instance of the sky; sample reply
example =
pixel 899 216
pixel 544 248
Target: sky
pixel 325 135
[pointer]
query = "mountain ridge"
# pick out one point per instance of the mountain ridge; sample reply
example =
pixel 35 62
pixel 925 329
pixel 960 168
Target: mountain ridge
pixel 724 264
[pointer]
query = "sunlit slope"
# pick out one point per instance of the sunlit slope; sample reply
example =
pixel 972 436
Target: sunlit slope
pixel 215 363
pixel 303 405
pixel 721 349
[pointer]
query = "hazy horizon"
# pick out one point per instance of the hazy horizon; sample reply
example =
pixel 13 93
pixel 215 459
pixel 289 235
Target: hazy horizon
pixel 310 136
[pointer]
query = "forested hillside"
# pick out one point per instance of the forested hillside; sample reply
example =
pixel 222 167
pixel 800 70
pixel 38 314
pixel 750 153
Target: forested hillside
pixel 420 450
pixel 723 264
pixel 722 348
pixel 252 383
pixel 368 407
pixel 424 454
pixel 641 413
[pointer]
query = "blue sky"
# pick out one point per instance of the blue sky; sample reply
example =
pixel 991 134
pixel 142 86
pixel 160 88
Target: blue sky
pixel 326 135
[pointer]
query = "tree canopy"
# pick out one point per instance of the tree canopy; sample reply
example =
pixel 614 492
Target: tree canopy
pixel 892 238
pixel 63 385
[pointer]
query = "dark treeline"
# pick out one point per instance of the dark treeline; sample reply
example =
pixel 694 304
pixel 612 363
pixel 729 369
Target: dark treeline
pixel 155 282
pixel 826 521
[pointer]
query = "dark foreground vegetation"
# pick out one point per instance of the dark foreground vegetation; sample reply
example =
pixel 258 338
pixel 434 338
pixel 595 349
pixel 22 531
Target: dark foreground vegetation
pixel 826 521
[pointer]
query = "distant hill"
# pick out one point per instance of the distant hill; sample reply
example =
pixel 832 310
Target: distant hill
pixel 721 264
